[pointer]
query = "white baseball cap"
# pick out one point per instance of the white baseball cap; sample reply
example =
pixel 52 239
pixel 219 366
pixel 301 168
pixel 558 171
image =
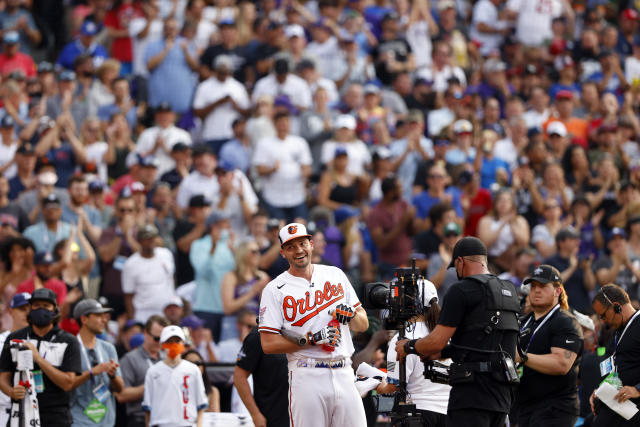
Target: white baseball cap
pixel 171 331
pixel 462 126
pixel 294 30
pixel 292 231
pixel 345 121
pixel 429 292
pixel 556 128
pixel 47 178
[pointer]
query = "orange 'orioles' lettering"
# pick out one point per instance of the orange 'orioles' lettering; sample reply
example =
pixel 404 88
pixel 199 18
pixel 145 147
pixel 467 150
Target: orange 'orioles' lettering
pixel 321 300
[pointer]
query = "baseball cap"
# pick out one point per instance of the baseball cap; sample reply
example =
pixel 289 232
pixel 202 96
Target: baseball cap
pixel 462 126
pixel 96 187
pixel 7 121
pixel 494 66
pixel 163 107
pixel 584 320
pixel 467 246
pixel 567 233
pixel 130 324
pixel 51 199
pixel 465 177
pixel 45 67
pixel 199 201
pixel 557 128
pixel 170 332
pixel 227 22
pixel 273 223
pixel 17 75
pixel 607 127
pixel 340 151
pixel 215 217
pixel 564 94
pixel 89 306
pixel 294 30
pixel 136 187
pixel 147 161
pixel 284 101
pixel 11 37
pixel 20 299
pixel 452 228
pixel 66 76
pixel 346 121
pixel 225 166
pixel 179 147
pixel 174 300
pixel 415 116
pixel 563 62
pixel 630 14
pixel 47 178
pixel 223 61
pixel 147 231
pixel 543 274
pixel 89 28
pixel 617 231
pixel 26 148
pixel 345 212
pixel 383 153
pixel 292 231
pixel 192 322
pixel 429 293
pixel 446 4
pixel 43 294
pixel 201 149
pixel 43 258
pixel 371 89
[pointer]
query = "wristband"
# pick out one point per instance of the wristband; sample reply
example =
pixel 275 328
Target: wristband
pixel 410 347
pixel 524 357
pixel 310 338
pixel 90 373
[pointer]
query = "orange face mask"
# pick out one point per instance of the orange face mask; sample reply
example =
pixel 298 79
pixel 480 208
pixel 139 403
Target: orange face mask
pixel 174 349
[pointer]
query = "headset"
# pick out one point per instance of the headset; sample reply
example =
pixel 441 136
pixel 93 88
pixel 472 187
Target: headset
pixel 617 308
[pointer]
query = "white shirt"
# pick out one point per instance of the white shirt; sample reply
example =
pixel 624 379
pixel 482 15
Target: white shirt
pixel 166 389
pixel 294 87
pixel 196 183
pixel 534 119
pixel 286 186
pixel 440 77
pixel 217 124
pixel 485 12
pixel 632 69
pixel 284 306
pixel 505 150
pixel 438 120
pixel 326 56
pixel 357 153
pixel 419 39
pixel 426 395
pixel 7 153
pixel 533 27
pixel 95 153
pixel 205 30
pixel 5 401
pixel 171 136
pixel 140 44
pixel 150 280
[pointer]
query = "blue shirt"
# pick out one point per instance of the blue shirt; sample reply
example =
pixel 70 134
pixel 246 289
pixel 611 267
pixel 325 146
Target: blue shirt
pixel 75 48
pixel 424 201
pixel 106 111
pixel 45 239
pixel 172 80
pixel 83 395
pixel 407 170
pixel 489 169
pixel 557 87
pixel 209 269
pixel 9 20
pixel 65 162
pixel 236 154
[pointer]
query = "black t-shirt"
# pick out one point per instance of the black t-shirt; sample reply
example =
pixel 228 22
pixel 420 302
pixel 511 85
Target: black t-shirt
pixel 184 270
pixel 484 392
pixel 628 354
pixel 62 350
pixel 279 266
pixel 238 56
pixel 15 216
pixel 270 379
pixel 590 379
pixel 398 47
pixel 560 330
pixel 578 296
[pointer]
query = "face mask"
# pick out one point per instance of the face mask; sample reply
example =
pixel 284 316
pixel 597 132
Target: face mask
pixel 41 316
pixel 174 349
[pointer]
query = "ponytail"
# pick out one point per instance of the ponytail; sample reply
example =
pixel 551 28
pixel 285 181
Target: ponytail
pixel 563 299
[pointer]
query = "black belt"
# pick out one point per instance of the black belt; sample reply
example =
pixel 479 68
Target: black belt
pixel 481 366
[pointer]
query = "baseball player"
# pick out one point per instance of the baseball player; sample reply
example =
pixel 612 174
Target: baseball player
pixel 295 312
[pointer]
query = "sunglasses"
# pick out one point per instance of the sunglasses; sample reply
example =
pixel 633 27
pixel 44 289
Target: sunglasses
pixel 156 339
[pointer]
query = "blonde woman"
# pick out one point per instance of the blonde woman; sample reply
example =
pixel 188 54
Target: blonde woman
pixel 95 146
pixel 242 287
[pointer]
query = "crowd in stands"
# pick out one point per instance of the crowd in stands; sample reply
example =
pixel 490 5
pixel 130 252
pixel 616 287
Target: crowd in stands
pixel 150 150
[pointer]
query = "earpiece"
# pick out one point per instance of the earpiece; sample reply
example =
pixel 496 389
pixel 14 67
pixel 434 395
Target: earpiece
pixel 617 308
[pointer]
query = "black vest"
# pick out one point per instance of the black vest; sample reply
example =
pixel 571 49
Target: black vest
pixel 486 324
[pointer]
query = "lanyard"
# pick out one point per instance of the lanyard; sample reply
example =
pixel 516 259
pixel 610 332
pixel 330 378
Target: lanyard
pixel 616 341
pixel 547 317
pixel 86 355
pixel 45 235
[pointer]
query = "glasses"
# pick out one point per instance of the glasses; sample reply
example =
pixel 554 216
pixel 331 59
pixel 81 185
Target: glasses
pixel 604 313
pixel 125 210
pixel 156 339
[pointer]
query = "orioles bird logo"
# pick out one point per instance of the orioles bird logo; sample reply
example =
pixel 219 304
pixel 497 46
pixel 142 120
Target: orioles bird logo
pixel 292 229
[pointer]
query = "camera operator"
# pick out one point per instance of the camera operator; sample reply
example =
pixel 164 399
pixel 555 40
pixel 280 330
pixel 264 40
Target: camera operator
pixel 550 351
pixel 430 398
pixel 613 306
pixel 480 317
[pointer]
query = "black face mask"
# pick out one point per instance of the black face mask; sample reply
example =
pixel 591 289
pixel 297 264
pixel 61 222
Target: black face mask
pixel 458 275
pixel 41 316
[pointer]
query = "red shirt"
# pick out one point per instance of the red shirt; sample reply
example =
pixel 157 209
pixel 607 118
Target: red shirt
pixel 398 251
pixel 122 47
pixel 55 285
pixel 479 206
pixel 19 61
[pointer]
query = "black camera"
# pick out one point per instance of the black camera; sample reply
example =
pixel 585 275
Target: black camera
pixel 436 372
pixel 401 296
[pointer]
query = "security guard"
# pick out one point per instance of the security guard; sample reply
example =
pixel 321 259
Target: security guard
pixel 613 306
pixel 480 317
pixel 550 351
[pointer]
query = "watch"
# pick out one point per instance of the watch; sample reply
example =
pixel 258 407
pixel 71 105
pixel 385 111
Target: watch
pixel 410 347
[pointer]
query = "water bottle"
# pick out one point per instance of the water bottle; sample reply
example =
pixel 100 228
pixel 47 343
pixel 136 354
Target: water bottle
pixel 329 347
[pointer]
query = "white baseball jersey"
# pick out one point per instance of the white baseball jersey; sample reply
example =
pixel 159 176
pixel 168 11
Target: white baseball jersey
pixel 174 396
pixel 533 27
pixel 294 304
